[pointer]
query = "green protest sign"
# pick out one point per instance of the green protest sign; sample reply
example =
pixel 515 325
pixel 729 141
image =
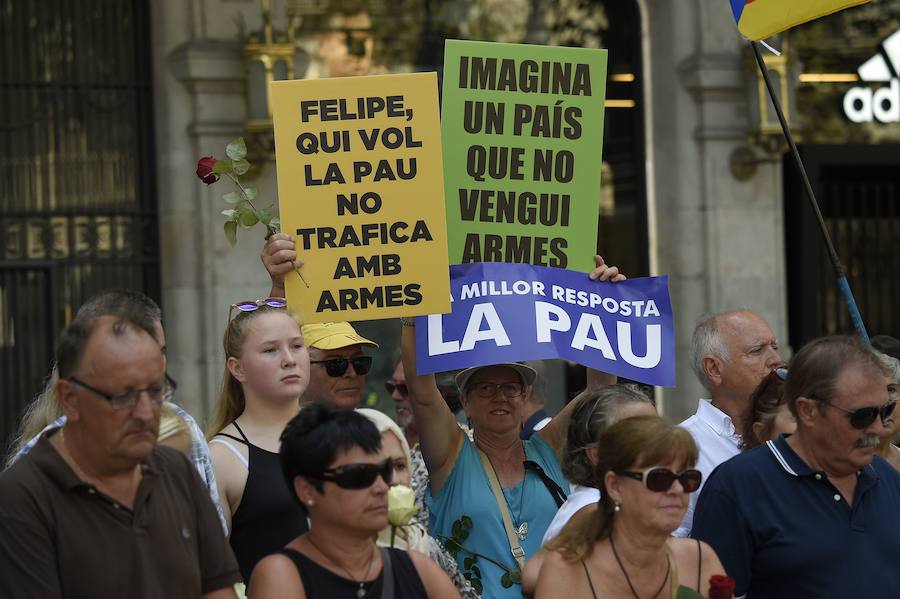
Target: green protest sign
pixel 522 132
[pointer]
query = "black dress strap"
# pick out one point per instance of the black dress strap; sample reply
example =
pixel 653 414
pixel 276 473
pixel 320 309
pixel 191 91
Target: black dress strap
pixel 590 582
pixel 243 436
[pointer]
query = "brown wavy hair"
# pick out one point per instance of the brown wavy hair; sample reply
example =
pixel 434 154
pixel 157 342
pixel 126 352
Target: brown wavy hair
pixel 632 443
pixel 765 401
pixel 231 401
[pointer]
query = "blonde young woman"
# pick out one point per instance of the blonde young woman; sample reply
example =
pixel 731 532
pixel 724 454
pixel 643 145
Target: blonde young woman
pixel 624 548
pixel 266 372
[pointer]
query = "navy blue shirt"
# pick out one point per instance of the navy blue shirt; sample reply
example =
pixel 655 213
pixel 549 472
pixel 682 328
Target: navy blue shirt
pixel 783 530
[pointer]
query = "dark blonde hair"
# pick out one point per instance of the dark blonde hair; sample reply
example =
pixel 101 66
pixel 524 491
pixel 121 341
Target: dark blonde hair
pixel 631 443
pixel 596 412
pixel 231 401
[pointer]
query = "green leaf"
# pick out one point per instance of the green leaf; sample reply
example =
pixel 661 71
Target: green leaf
pixel 229 214
pixel 479 588
pixel 456 529
pixel 468 562
pixel 237 149
pixel 240 166
pixel 222 167
pixel 453 546
pixel 231 232
pixel 275 223
pixel 515 576
pixel 248 219
pixel 463 534
pixel 232 197
pixel 263 216
pixel 476 571
pixel 250 193
pixel 466 521
pixel 505 581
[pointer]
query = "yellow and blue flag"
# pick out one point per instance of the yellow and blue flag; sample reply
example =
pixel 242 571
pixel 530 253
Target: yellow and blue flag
pixel 759 19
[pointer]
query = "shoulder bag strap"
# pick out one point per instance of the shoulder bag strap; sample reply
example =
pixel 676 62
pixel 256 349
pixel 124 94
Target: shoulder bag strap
pixel 516 549
pixel 387 575
pixel 559 496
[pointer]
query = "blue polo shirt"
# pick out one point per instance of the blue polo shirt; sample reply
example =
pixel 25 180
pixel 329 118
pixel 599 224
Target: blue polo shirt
pixel 783 530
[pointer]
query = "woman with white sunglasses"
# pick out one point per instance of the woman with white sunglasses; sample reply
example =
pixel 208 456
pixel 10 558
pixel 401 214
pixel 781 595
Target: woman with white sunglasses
pixel 645 468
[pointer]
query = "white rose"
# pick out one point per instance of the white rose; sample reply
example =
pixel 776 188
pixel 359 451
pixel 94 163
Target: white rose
pixel 401 505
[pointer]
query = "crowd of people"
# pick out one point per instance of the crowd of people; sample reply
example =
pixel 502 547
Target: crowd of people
pixel 784 483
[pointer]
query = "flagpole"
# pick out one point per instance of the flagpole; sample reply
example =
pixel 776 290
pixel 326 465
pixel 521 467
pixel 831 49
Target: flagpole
pixel 842 282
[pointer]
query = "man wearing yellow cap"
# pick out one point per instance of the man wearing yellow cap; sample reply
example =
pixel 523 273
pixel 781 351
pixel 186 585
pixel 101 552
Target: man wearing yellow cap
pixel 338 366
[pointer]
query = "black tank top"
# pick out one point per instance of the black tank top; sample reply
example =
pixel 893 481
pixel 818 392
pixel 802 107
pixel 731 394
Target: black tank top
pixel 320 583
pixel 269 516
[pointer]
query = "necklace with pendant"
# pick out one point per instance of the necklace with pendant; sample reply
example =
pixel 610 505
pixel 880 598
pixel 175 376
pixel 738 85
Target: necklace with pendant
pixel 361 591
pixel 628 580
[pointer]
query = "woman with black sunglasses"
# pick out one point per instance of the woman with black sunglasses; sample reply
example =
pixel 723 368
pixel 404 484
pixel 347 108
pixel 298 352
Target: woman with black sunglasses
pixel 646 472
pixel 333 461
pixel 266 372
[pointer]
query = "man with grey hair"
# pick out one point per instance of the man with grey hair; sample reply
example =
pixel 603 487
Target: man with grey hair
pixel 813 514
pixel 731 353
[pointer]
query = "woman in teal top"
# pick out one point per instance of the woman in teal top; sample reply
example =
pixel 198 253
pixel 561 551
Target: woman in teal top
pixel 466 514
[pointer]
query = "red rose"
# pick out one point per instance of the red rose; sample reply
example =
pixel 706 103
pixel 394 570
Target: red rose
pixel 205 168
pixel 721 587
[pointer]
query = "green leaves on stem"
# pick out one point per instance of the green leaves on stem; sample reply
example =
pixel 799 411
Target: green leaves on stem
pixel 243 212
pixel 469 565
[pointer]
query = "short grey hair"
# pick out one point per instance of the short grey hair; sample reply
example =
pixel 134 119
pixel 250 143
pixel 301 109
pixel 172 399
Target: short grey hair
pixel 890 364
pixel 707 341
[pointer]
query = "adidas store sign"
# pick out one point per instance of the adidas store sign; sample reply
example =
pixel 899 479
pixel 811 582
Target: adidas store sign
pixel 868 104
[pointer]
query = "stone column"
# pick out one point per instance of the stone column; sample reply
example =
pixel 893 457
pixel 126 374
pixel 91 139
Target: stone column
pixel 720 240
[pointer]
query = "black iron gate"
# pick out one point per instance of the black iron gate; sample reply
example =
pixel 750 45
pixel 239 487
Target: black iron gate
pixel 77 197
pixel 858 188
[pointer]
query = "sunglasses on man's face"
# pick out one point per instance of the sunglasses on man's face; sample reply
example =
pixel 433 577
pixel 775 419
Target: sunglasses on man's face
pixel 864 417
pixel 660 480
pixel 358 476
pixel 401 388
pixel 336 367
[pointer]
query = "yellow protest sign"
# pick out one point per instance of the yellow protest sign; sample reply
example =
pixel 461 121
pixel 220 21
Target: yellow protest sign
pixel 360 187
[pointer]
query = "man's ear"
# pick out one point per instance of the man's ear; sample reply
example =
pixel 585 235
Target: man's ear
pixel 235 368
pixel 68 400
pixel 712 367
pixel 808 411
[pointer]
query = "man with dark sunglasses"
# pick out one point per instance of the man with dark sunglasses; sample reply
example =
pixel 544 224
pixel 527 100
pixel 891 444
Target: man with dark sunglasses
pixel 813 514
pixel 338 366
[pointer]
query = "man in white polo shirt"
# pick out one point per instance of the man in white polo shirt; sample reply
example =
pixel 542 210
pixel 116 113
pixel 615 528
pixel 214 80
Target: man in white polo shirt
pixel 731 353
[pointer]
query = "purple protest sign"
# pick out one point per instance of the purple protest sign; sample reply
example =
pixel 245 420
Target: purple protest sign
pixel 510 312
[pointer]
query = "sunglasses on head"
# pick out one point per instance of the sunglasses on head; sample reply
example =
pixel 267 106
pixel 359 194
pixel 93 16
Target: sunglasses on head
pixel 401 388
pixel 251 306
pixel 358 476
pixel 864 417
pixel 660 480
pixel 335 367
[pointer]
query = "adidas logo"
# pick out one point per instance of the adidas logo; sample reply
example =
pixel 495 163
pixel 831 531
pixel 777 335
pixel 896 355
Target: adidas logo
pixel 865 104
